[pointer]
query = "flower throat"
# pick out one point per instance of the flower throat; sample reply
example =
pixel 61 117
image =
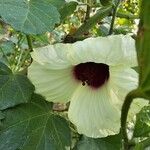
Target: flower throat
pixel 92 74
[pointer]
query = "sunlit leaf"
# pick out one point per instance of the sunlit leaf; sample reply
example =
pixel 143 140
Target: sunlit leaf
pixel 29 16
pixel 143 145
pixel 142 126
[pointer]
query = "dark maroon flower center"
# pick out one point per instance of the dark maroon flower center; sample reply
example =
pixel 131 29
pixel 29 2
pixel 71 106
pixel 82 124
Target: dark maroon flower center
pixel 92 74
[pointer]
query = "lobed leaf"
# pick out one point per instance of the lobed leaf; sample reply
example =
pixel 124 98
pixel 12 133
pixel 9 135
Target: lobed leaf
pixel 33 126
pixel 14 88
pixel 29 16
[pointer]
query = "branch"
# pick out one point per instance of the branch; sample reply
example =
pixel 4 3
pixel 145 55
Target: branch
pixel 102 13
pixel 87 16
pixel 127 16
pixel 124 113
pixel 29 42
pixel 113 17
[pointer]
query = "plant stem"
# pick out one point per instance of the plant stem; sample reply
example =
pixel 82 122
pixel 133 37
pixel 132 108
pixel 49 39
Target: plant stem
pixel 87 16
pixel 19 60
pixel 30 48
pixel 17 46
pixel 124 113
pixel 23 59
pixel 127 16
pixel 86 26
pixel 29 42
pixel 113 17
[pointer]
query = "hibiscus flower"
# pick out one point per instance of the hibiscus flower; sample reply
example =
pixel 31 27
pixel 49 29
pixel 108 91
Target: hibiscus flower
pixel 94 75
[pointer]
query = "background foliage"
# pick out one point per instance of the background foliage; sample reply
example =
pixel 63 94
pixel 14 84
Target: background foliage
pixel 28 122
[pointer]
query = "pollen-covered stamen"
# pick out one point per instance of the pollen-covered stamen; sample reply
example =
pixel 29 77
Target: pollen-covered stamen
pixel 92 74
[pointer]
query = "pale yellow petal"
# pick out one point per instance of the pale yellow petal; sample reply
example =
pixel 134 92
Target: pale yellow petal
pixel 56 85
pixel 112 50
pixel 93 112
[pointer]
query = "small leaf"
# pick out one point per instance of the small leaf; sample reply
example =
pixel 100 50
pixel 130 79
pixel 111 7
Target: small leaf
pixel 142 126
pixel 108 143
pixel 67 10
pixel 143 145
pixel 14 88
pixel 103 30
pixel 33 126
pixel 29 16
pixel 106 2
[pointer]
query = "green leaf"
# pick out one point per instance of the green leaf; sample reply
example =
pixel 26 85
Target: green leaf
pixel 57 3
pixel 108 143
pixel 103 30
pixel 4 70
pixel 33 126
pixel 143 50
pixel 7 47
pixel 142 126
pixel 102 13
pixel 67 10
pixel 29 16
pixel 14 88
pixel 1 115
pixel 143 145
pixel 106 2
